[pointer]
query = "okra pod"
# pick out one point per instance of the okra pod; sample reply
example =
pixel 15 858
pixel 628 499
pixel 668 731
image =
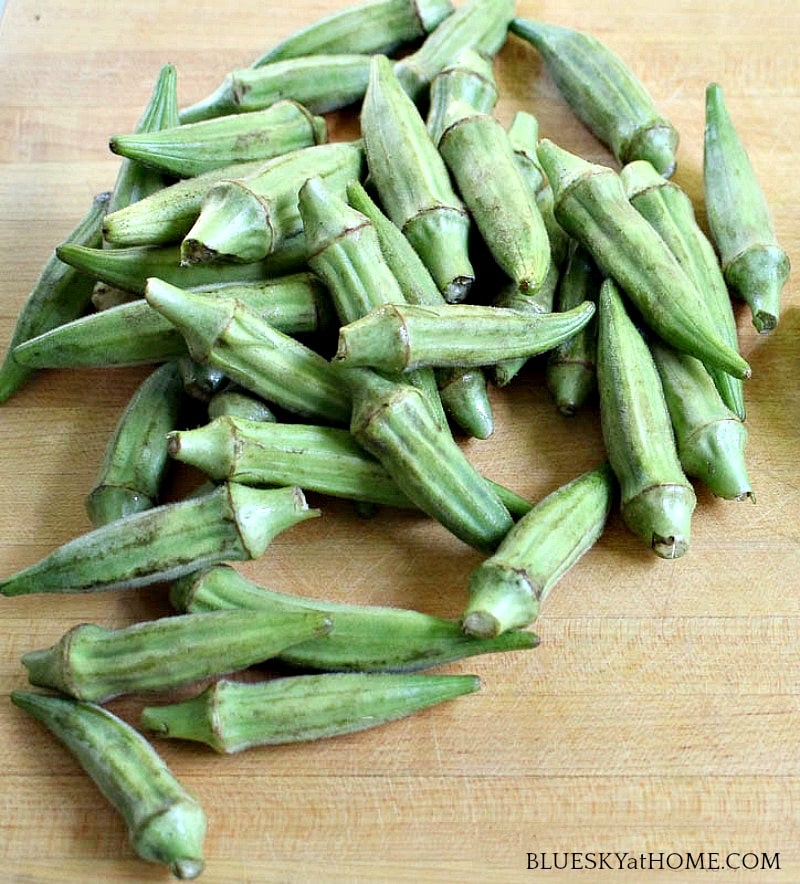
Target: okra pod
pixel 201 381
pixel 604 94
pixel 233 339
pixel 656 497
pixel 754 264
pixel 590 204
pixel 465 399
pixel 96 664
pixel 364 639
pixel 401 337
pixel 468 78
pixel 232 522
pixel 165 823
pixel 135 459
pixel 413 183
pixel 230 716
pixel 374 26
pixel 245 219
pixel 507 590
pixel 194 148
pixel 234 401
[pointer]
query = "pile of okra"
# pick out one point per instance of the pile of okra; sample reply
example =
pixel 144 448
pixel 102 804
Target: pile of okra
pixel 236 238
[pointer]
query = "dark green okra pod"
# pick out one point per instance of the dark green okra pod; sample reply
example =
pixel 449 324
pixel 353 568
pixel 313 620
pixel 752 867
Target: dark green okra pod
pixel 369 28
pixel 394 423
pixel 60 294
pixel 230 716
pixel 670 212
pixel 233 522
pixel 468 78
pixel 233 339
pixel 463 394
pixel 245 219
pixel 195 148
pixel 400 337
pixel 481 25
pixel 96 664
pixel 710 438
pixel 590 204
pixel 413 182
pixel 321 83
pixel 755 266
pixel 657 498
pixel 364 639
pixel 604 94
pixel 135 459
pixel 165 823
pixel 507 590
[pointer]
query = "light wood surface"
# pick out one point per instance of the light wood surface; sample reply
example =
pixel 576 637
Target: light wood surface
pixel 662 709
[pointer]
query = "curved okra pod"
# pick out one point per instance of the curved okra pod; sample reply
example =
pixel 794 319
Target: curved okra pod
pixel 96 664
pixel 480 158
pixel 571 368
pixel 394 423
pixel 233 339
pixel 400 337
pixel 413 183
pixel 364 639
pixel 507 590
pixel 135 459
pixel 465 400
pixel 670 212
pixel 468 78
pixel 245 219
pixel 376 26
pixel 135 333
pixel 165 823
pixel 754 264
pixel 657 498
pixel 195 148
pixel 230 716
pixel 590 204
pixel 604 94
pixel 710 437
pixel 60 294
pixel 320 83
pixel 481 25
pixel 233 522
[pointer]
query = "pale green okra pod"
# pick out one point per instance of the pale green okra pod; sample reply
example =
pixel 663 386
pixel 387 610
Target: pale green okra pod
pixel 165 823
pixel 468 78
pixel 236 402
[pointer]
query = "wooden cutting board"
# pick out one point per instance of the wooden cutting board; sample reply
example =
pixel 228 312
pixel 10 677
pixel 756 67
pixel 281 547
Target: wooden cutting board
pixel 660 713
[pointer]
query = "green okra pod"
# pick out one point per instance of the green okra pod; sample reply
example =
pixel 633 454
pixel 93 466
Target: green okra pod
pixel 96 664
pixel 670 212
pixel 135 459
pixel 364 639
pixel 165 823
pixel 233 522
pixel 235 401
pixel 320 83
pixel 135 333
pixel 393 422
pixel 604 94
pixel 60 294
pixel 710 438
pixel 481 25
pixel 506 591
pixel 590 204
pixel 230 717
pixel 233 339
pixel 374 26
pixel 195 148
pixel 478 153
pixel 465 399
pixel 245 219
pixel 468 78
pixel 200 380
pixel 571 367
pixel 413 183
pixel 754 264
pixel 400 337
pixel 656 497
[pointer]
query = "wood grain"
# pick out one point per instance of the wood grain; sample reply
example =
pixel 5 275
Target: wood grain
pixel 660 712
